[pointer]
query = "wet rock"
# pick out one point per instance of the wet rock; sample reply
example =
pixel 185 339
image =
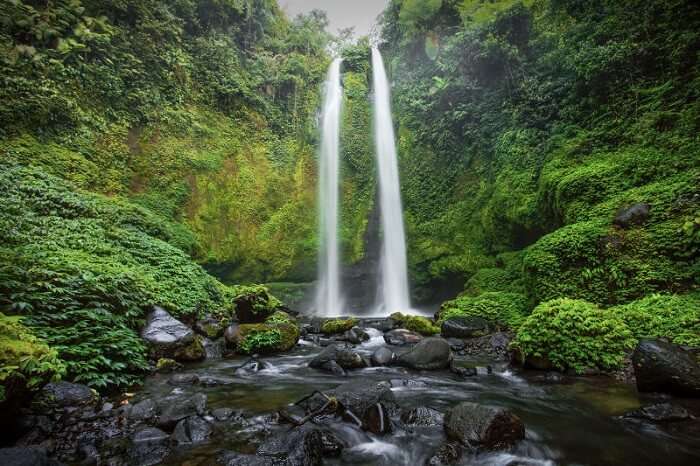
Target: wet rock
pixel 209 327
pixel 214 349
pixel 367 405
pixel 165 334
pixel 144 410
pixel 334 368
pixel 409 383
pixel 401 336
pixel 89 454
pixel 499 342
pixel 660 413
pixel 636 214
pixel 251 366
pixel 184 379
pixel 664 367
pixel 463 371
pixel 343 357
pixel 540 363
pixel 149 446
pixel 302 446
pixel 465 327
pixel 382 357
pixel 222 414
pixel 355 335
pixel 428 354
pixel 167 365
pixel 421 416
pixel 487 427
pixel 19 456
pixel 331 445
pixel 56 396
pixel 254 306
pixel 232 336
pixel 175 408
pixel 214 381
pixel 456 344
pixel 232 458
pixel 449 453
pixel 193 429
pixel 553 377
pixel 192 352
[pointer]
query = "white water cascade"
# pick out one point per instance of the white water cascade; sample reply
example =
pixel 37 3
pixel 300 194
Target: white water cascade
pixel 329 300
pixel 394 277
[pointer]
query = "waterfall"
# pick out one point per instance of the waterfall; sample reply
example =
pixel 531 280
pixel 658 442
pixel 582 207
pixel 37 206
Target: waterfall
pixel 394 277
pixel 328 295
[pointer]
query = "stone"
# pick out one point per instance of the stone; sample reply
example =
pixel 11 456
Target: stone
pixel 167 365
pixel 382 356
pixel 209 327
pixel 367 405
pixel 193 429
pixel 465 327
pixel 222 414
pixel 355 335
pixel 144 410
pixel 149 446
pixel 499 342
pixel 421 416
pixel 636 214
pixel 463 371
pixel 449 453
pixel 254 306
pixel 251 366
pixel 184 379
pixel 232 458
pixel 175 408
pixel 61 395
pixel 21 456
pixel 165 334
pixel 429 354
pixel 456 344
pixel 660 366
pixel 232 336
pixel 344 357
pixel 479 426
pixel 401 336
pixel 660 413
pixel 192 352
pixel 301 446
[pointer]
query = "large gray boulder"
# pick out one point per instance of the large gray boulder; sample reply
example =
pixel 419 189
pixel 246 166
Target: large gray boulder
pixel 174 408
pixel 660 366
pixel 401 336
pixel 428 354
pixel 170 338
pixel 55 396
pixel 478 426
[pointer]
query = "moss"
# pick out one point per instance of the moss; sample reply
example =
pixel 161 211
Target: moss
pixel 500 308
pixel 486 280
pixel 193 352
pixel 279 317
pixel 419 324
pixel 333 326
pixel 267 338
pixel 26 362
pixel 675 317
pixel 167 365
pixel 574 334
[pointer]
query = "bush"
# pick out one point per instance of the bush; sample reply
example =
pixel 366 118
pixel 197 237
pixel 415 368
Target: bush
pixel 333 326
pixel 26 362
pixel 574 334
pixel 676 317
pixel 419 324
pixel 486 280
pixel 500 308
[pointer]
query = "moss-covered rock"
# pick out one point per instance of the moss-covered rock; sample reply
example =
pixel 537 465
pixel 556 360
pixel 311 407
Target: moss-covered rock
pixel 267 338
pixel 254 304
pixel 192 352
pixel 167 365
pixel 499 308
pixel 573 334
pixel 334 326
pixel 419 324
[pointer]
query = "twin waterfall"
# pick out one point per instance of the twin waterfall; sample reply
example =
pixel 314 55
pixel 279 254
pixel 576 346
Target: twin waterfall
pixel 394 277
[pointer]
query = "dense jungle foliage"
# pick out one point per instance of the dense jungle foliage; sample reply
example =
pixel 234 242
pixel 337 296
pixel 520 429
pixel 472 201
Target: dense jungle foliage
pixel 144 143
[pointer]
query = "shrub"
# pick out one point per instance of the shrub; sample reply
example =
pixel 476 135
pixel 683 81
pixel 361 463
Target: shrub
pixel 500 308
pixel 419 324
pixel 333 326
pixel 486 280
pixel 574 334
pixel 676 317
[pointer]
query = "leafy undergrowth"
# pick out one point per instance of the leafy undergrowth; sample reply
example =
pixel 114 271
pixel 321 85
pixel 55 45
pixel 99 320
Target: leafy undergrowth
pixel 502 309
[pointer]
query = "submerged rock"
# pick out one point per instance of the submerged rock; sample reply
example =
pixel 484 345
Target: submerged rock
pixel 401 336
pixel 479 426
pixel 366 405
pixel 660 412
pixel 664 367
pixel 355 335
pixel 465 327
pixel 382 357
pixel 183 379
pixel 428 354
pixel 449 453
pixel 193 429
pixel 20 456
pixel 421 416
pixel 251 366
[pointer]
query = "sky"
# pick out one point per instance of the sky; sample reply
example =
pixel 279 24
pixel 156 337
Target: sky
pixel 360 14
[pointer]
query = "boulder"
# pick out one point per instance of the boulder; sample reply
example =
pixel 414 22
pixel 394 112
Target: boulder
pixel 421 416
pixel 367 405
pixel 428 354
pixel 355 335
pixel 168 336
pixel 343 357
pixel 232 336
pixel 499 342
pixel 222 414
pixel 449 453
pixel 465 327
pixel 209 327
pixel 21 456
pixel 401 336
pixel 636 214
pixel 175 408
pixel 232 458
pixel 167 365
pixel 56 396
pixel 382 356
pixel 664 367
pixel 193 429
pixel 302 446
pixel 183 379
pixel 192 352
pixel 144 410
pixel 254 304
pixel 251 366
pixel 486 427
pixel 660 413
pixel 149 446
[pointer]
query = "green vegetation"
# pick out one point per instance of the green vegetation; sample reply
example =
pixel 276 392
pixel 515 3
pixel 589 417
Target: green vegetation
pixel 333 326
pixel 254 303
pixel 503 309
pixel 274 336
pixel 574 334
pixel 418 324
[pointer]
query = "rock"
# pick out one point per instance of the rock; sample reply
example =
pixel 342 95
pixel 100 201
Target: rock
pixel 165 334
pixel 366 404
pixel 167 365
pixel 355 335
pixel 401 336
pixel 334 368
pixel 149 446
pixel 660 412
pixel 232 458
pixel 20 456
pixel 209 327
pixel 344 357
pixel 331 445
pixel 222 414
pixel 636 214
pixel 254 305
pixel 421 416
pixel 184 379
pixel 487 427
pixel 463 371
pixel 428 354
pixel 232 336
pixel 499 342
pixel 302 446
pixel 456 344
pixel 465 327
pixel 144 410
pixel 664 367
pixel 193 429
pixel 56 396
pixel 89 454
pixel 251 366
pixel 382 356
pixel 192 352
pixel 175 408
pixel 409 383
pixel 449 453
pixel 540 363
pixel 214 349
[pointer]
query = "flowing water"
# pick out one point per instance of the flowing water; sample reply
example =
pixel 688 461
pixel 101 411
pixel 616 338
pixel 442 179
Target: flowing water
pixel 394 277
pixel 328 295
pixel 572 423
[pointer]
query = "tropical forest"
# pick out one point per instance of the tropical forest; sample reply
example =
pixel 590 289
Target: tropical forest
pixel 376 232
